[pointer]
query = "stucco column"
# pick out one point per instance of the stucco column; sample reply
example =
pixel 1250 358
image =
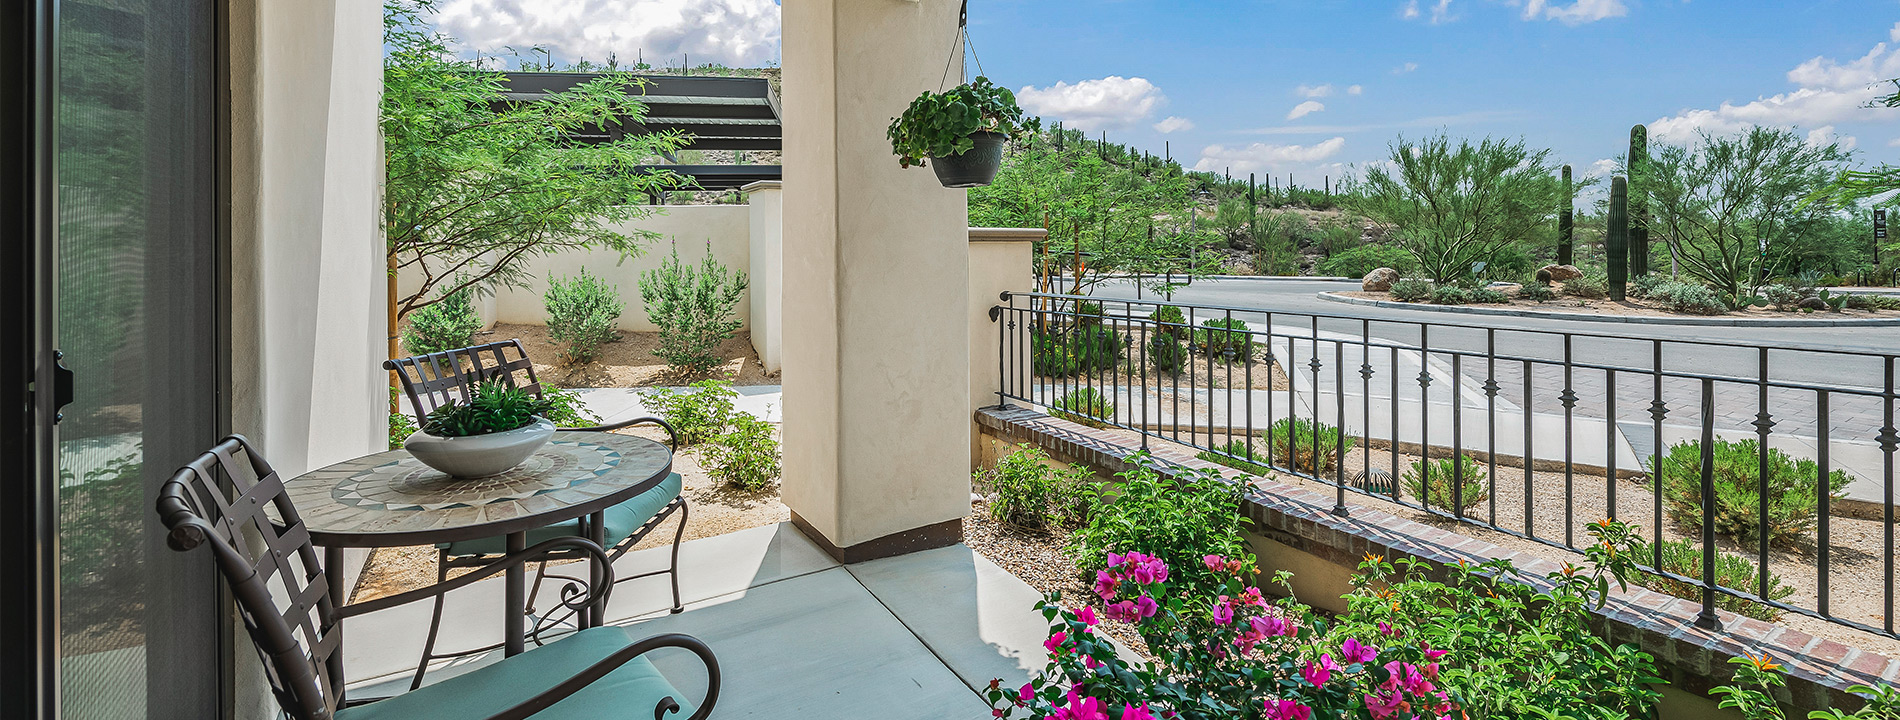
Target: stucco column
pixel 876 272
pixel 1001 260
pixel 766 205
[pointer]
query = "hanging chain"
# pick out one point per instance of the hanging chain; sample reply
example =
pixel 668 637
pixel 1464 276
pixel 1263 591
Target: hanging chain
pixel 958 45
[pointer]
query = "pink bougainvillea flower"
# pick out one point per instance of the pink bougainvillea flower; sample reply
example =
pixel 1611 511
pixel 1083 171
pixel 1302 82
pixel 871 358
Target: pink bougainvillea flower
pixel 1081 708
pixel 1223 612
pixel 1273 626
pixel 1214 563
pixel 1114 560
pixel 1386 706
pixel 1147 607
pixel 1137 712
pixel 1148 573
pixel 1025 694
pixel 1394 671
pixel 1123 611
pixel 1385 628
pixel 1090 662
pixel 1316 674
pixel 1252 596
pixel 1287 710
pixel 1054 643
pixel 1352 651
pixel 1431 654
pixel 1086 614
pixel 1105 585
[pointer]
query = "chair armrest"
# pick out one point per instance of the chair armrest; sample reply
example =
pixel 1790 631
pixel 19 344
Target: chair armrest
pixel 673 437
pixel 601 578
pixel 600 669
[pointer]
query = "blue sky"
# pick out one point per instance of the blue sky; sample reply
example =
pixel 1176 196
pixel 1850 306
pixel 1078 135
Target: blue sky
pixel 1315 86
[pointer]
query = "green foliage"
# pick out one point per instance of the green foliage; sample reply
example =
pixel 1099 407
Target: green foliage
pixel 1682 557
pixel 1085 406
pixel 1688 298
pixel 1434 483
pixel 1487 296
pixel 1589 287
pixel 1458 205
pixel 401 424
pixel 1357 262
pixel 99 513
pixel 495 406
pixel 697 414
pixel 1234 455
pixel 1792 496
pixel 1448 294
pixel 1307 453
pixel 746 455
pixel 583 313
pixel 1169 320
pixel 1030 495
pixel 694 309
pixel 1080 349
pixel 1179 518
pixel 1166 354
pixel 1870 301
pixel 1412 290
pixel 940 124
pixel 447 324
pixel 1537 291
pixel 478 186
pixel 1758 678
pixel 1224 337
pixel 565 408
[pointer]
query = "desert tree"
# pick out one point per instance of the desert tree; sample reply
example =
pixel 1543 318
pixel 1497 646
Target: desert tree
pixel 1453 203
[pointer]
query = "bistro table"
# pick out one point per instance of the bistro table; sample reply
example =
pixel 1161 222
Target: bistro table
pixel 390 499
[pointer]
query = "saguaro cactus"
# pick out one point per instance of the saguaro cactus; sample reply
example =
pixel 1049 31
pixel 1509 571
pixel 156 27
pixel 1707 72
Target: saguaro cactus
pixel 1566 222
pixel 1616 243
pixel 1639 201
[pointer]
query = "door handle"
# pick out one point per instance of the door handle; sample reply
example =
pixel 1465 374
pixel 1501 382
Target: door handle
pixel 62 386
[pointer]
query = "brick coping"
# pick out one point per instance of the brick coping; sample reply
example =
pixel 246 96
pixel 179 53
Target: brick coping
pixel 1693 659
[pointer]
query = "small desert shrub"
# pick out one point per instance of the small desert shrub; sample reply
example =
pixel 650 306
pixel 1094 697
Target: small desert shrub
pixel 1682 557
pixel 1867 301
pixel 1536 291
pixel 1432 482
pixel 1792 495
pixel 693 309
pixel 1030 495
pixel 745 456
pixel 1411 290
pixel 1642 287
pixel 565 408
pixel 1086 406
pixel 1089 312
pixel 1358 262
pixel 1487 296
pixel 401 424
pixel 1225 337
pixel 1238 450
pixel 1588 287
pixel 1689 298
pixel 1301 452
pixel 1450 295
pixel 1169 321
pixel 447 324
pixel 1784 298
pixel 583 313
pixel 1082 349
pixel 697 414
pixel 1166 354
pixel 1180 518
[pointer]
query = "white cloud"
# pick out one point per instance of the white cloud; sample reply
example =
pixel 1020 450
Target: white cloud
pixel 1894 142
pixel 1101 104
pixel 1304 109
pixel 1576 13
pixel 1172 124
pixel 1440 11
pixel 1406 68
pixel 1262 157
pixel 1314 91
pixel 1602 168
pixel 1827 92
pixel 1825 134
pixel 740 33
pixel 1355 90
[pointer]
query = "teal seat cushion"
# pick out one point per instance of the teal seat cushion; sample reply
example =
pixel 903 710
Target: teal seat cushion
pixel 621 521
pixel 631 691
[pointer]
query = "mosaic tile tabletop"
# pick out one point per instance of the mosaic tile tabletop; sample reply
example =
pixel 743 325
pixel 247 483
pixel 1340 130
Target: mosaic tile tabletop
pixel 362 502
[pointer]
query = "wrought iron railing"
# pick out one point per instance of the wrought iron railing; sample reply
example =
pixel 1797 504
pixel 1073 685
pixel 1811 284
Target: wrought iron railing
pixel 1582 419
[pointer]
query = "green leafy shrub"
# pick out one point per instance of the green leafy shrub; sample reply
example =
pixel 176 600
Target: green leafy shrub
pixel 1792 497
pixel 1432 482
pixel 1089 312
pixel 583 313
pixel 1870 301
pixel 1085 406
pixel 1758 678
pixel 1682 557
pixel 1166 354
pixel 1589 287
pixel 1450 295
pixel 1784 298
pixel 1536 291
pixel 940 124
pixel 401 424
pixel 694 309
pixel 1029 494
pixel 565 408
pixel 697 414
pixel 1412 290
pixel 1358 262
pixel 1301 451
pixel 1487 296
pixel 1169 320
pixel 1232 455
pixel 746 455
pixel 1688 298
pixel 1225 337
pixel 1180 518
pixel 448 324
pixel 1078 350
pixel 493 407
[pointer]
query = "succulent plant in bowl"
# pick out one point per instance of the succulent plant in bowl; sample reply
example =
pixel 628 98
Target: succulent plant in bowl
pixel 488 433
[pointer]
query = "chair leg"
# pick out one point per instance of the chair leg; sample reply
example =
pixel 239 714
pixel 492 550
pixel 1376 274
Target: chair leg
pixel 435 620
pixel 674 572
pixel 540 571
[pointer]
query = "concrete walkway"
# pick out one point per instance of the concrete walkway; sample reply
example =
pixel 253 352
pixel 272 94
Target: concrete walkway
pixel 763 401
pixel 796 633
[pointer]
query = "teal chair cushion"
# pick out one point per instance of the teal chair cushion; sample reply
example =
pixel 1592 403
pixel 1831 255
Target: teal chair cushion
pixel 631 691
pixel 621 521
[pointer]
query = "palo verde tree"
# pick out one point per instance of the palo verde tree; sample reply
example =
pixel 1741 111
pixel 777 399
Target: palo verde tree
pixel 1727 204
pixel 1454 204
pixel 478 186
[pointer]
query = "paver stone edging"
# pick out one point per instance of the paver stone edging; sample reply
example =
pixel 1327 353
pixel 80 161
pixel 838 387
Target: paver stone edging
pixel 1628 319
pixel 1693 659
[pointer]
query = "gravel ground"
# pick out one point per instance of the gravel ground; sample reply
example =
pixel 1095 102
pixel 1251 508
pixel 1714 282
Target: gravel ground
pixel 1042 560
pixel 629 361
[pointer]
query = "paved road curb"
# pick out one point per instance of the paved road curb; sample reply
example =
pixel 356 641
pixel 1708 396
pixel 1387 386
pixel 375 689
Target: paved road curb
pixel 1627 319
pixel 1279 278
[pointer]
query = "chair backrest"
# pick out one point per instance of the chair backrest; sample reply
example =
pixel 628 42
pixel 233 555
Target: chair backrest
pixel 436 379
pixel 220 499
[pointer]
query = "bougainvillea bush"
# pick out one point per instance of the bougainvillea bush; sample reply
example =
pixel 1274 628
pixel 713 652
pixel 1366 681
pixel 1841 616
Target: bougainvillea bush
pixel 1479 645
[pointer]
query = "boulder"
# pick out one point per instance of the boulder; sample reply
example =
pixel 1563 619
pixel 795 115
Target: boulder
pixel 1814 303
pixel 1558 273
pixel 1379 280
pixel 1508 288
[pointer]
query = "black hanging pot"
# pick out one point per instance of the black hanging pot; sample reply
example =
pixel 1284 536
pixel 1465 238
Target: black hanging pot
pixel 975 167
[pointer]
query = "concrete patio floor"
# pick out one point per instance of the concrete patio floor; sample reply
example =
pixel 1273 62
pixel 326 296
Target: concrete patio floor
pixel 796 633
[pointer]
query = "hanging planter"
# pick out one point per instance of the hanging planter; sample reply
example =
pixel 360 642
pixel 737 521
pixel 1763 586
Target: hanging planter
pixel 960 132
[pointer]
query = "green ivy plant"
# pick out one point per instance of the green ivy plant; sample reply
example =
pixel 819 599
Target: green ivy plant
pixel 940 124
pixel 699 413
pixel 494 407
pixel 746 456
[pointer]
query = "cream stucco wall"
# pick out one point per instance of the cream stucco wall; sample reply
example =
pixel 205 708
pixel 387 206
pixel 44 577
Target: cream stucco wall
pixel 767 201
pixel 876 277
pixel 1001 260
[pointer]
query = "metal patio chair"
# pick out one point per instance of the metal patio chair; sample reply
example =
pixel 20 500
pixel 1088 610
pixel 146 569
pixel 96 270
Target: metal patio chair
pixel 225 499
pixel 436 379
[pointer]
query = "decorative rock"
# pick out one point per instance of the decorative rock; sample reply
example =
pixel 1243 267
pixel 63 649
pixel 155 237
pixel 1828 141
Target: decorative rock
pixel 1379 280
pixel 1507 288
pixel 1814 303
pixel 1558 273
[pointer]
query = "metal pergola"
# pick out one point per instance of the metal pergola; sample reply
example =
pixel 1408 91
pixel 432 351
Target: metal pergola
pixel 719 113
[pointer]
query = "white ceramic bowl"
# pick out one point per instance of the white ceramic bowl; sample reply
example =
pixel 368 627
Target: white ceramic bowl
pixel 478 456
